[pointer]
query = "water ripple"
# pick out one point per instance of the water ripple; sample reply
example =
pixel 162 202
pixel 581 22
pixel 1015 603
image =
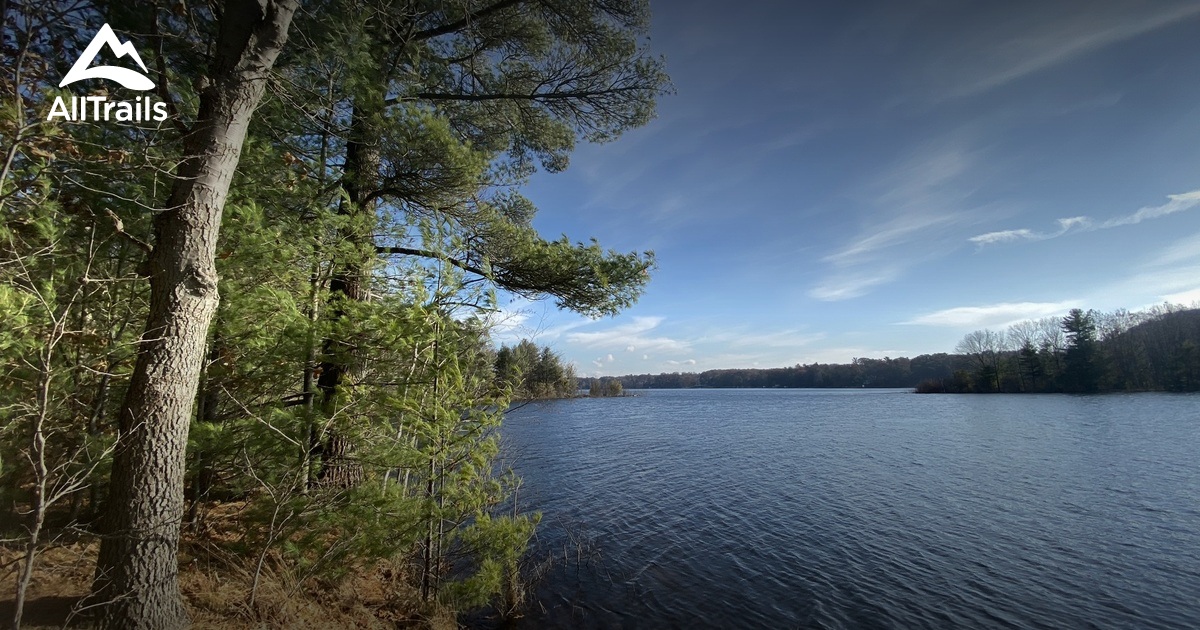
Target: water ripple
pixel 877 509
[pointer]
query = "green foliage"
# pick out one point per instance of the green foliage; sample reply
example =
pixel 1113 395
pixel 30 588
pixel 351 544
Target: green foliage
pixel 1185 368
pixel 423 427
pixel 1090 351
pixel 1031 367
pixel 497 544
pixel 532 372
pixel 604 388
pixel 430 134
pixel 67 292
pixel 1080 373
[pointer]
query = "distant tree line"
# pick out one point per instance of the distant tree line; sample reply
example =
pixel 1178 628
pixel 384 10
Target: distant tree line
pixel 861 372
pixel 1086 351
pixel 532 372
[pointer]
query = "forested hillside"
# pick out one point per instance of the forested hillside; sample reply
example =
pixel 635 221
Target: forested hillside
pixel 260 323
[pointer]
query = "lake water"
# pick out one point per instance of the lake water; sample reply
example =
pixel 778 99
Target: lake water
pixel 863 509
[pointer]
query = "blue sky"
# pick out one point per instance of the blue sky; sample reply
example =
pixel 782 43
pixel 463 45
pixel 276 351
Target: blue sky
pixel 865 179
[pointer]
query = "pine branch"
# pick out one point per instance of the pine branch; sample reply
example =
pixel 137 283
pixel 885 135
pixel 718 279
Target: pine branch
pixel 460 24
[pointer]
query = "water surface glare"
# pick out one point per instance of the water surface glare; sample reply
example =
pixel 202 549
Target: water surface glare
pixel 864 509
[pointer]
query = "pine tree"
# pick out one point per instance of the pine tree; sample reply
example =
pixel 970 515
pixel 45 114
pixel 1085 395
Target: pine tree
pixel 1080 372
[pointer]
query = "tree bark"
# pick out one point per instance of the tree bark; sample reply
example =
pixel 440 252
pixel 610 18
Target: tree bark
pixel 136 582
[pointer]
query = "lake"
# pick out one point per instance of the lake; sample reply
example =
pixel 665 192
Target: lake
pixel 863 509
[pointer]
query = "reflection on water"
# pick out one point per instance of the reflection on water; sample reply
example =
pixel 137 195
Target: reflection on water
pixel 863 509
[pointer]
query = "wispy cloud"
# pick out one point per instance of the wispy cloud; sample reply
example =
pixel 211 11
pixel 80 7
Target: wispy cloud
pixel 524 319
pixel 914 202
pixel 998 315
pixel 1170 275
pixel 782 339
pixel 894 232
pixel 1025 234
pixel 1182 250
pixel 1009 47
pixel 1175 204
pixel 1187 298
pixel 631 334
pixel 851 285
pixel 792 138
pixel 508 324
pixel 1007 236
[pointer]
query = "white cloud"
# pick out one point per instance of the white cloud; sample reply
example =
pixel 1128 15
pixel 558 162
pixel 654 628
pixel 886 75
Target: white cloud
pixel 686 362
pixel 630 348
pixel 1182 250
pixel 894 232
pixel 792 138
pixel 782 339
pixel 1186 298
pixel 507 323
pixel 1073 222
pixel 630 334
pixel 1005 50
pixel 645 357
pixel 992 315
pixel 1148 287
pixel 911 208
pixel 1005 236
pixel 847 286
pixel 915 194
pixel 1008 236
pixel 1175 203
pixel 525 319
pixel 554 332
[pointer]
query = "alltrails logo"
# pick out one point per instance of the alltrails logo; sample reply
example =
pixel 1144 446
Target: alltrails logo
pixel 143 109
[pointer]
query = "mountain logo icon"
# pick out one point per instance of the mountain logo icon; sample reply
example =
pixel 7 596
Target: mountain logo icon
pixel 129 78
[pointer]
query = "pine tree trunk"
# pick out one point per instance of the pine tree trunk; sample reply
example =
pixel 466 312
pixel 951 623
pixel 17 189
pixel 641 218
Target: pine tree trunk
pixel 136 582
pixel 339 468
